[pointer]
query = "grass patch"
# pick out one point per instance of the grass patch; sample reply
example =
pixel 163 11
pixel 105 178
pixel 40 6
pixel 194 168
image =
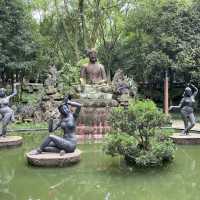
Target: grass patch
pixel 26 125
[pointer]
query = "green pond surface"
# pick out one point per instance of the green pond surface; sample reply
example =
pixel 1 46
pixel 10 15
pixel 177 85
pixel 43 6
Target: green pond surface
pixel 98 177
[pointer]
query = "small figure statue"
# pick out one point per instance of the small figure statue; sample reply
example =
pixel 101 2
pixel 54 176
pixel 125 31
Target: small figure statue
pixel 186 105
pixel 52 78
pixel 7 114
pixel 67 122
pixel 93 72
pixel 120 84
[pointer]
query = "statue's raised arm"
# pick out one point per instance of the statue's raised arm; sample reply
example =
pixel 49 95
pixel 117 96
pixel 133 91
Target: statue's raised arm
pixel 195 90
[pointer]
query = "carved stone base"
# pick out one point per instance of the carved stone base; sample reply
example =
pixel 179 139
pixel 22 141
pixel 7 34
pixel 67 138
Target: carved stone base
pixel 47 159
pixel 102 91
pixel 10 141
pixel 193 138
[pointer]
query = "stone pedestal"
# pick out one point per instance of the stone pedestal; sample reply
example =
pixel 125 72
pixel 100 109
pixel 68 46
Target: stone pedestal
pixel 10 141
pixel 193 138
pixel 94 115
pixel 97 92
pixel 47 159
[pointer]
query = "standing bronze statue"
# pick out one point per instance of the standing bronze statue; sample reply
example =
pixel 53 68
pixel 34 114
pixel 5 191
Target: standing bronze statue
pixel 7 114
pixel 187 107
pixel 93 72
pixel 67 122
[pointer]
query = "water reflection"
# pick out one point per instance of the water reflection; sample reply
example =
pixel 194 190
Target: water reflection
pixel 98 177
pixel 6 176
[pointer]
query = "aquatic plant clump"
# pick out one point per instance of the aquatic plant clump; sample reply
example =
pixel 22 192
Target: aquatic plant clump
pixel 137 135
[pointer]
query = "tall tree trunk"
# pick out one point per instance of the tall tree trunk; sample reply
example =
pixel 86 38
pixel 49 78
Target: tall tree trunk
pixel 73 43
pixel 12 81
pixel 81 11
pixel 21 84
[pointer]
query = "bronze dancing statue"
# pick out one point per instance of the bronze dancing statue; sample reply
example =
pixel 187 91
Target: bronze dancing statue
pixel 186 105
pixel 7 114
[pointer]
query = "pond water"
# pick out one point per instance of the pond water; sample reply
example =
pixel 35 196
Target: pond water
pixel 98 177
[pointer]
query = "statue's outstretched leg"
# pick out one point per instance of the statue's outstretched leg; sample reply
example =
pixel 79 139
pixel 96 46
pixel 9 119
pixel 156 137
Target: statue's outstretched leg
pixel 13 116
pixel 59 142
pixel 5 121
pixel 185 120
pixel 46 146
pixel 191 118
pixel 51 148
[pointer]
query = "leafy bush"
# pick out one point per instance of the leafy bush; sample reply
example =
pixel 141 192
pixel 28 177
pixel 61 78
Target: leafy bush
pixel 118 143
pixel 137 135
pixel 69 76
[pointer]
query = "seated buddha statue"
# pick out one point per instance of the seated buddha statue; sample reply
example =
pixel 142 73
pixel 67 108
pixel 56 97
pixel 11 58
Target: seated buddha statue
pixel 93 72
pixel 93 79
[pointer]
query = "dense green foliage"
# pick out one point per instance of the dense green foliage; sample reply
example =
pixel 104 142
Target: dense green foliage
pixel 145 38
pixel 160 35
pixel 136 134
pixel 17 49
pixel 69 76
pixel 68 28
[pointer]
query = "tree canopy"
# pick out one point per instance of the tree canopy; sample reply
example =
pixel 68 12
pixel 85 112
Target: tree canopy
pixel 144 38
pixel 17 49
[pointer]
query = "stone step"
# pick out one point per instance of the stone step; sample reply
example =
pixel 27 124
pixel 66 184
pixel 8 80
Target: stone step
pixel 192 138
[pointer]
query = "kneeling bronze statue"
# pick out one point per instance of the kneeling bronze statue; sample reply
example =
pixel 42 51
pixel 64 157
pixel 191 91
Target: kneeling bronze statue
pixel 67 122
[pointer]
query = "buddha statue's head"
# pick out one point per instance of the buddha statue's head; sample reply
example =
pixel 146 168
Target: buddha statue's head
pixel 92 55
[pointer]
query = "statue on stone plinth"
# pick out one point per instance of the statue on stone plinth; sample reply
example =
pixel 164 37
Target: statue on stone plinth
pixel 7 114
pixel 123 87
pixel 67 122
pixel 187 107
pixel 93 72
pixel 93 79
pixel 120 84
pixel 52 76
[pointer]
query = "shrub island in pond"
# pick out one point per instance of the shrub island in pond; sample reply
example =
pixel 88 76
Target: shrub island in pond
pixel 137 135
